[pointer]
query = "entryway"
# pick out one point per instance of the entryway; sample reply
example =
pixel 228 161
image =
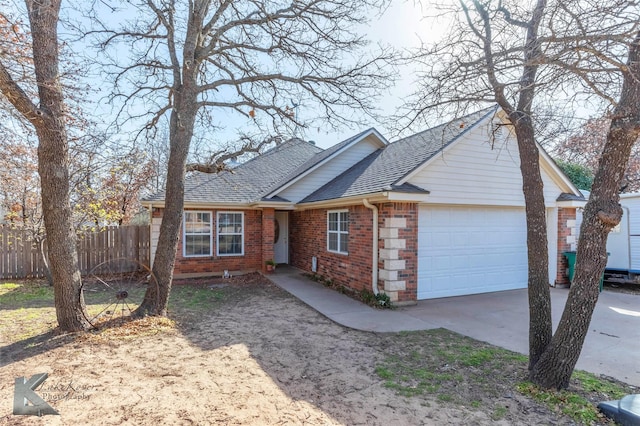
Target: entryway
pixel 281 237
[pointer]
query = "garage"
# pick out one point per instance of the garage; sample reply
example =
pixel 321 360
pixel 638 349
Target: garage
pixel 468 250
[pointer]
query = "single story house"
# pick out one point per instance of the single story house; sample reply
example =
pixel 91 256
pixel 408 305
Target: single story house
pixel 440 213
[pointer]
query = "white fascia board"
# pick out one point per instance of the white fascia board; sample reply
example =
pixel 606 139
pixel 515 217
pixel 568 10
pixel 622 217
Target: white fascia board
pixel 382 142
pixel 571 204
pixel 206 206
pixel 346 201
pixel 273 204
pixel 377 197
pixel 408 197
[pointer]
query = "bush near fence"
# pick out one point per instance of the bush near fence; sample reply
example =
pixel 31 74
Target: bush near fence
pixel 20 257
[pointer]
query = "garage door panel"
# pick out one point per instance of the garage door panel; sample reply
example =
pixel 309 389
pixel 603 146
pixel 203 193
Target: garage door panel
pixel 468 250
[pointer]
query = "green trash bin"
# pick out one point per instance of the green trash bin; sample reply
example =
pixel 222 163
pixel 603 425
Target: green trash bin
pixel 571 258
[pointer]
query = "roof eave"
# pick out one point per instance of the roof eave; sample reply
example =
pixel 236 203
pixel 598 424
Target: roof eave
pixel 201 205
pixel 278 205
pixel 376 197
pixel 571 203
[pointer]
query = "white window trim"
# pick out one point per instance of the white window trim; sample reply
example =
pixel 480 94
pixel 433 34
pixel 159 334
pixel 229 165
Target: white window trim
pixel 218 234
pixel 184 233
pixel 340 233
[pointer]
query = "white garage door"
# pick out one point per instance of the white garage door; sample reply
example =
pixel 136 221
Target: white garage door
pixel 468 250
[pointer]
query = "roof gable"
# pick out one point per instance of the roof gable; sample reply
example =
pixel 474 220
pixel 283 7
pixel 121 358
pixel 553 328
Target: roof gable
pixel 325 157
pixel 482 167
pixel 386 169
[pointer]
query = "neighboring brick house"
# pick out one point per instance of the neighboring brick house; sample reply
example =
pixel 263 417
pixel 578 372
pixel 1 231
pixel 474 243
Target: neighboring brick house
pixel 437 214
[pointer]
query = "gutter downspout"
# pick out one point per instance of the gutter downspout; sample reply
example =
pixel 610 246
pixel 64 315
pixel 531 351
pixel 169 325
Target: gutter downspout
pixel 374 262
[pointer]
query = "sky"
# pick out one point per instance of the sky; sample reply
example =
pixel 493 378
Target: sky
pixel 402 26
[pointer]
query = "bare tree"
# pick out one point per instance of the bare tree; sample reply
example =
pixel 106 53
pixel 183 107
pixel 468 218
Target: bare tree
pixel 584 147
pixel 523 57
pixel 200 61
pixel 601 214
pixel 47 114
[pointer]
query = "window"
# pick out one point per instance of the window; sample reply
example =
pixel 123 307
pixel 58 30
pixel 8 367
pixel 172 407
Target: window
pixel 230 234
pixel 197 234
pixel 338 231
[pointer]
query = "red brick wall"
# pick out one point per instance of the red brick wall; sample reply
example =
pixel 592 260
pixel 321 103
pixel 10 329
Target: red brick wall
pixel 563 232
pixel 253 248
pixel 268 235
pixel 308 238
pixel 409 211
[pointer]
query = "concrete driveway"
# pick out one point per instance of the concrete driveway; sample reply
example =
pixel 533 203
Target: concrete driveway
pixel 612 346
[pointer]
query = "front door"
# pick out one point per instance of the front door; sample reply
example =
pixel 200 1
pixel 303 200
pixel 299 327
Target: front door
pixel 281 238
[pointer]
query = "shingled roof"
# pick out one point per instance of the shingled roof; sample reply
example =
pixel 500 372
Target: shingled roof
pixel 383 169
pixel 250 181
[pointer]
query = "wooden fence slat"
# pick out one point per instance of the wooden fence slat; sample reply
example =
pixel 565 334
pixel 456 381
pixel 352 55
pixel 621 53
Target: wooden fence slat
pixel 20 257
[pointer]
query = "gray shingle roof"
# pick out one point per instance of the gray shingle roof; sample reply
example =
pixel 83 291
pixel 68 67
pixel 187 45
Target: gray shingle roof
pixel 381 170
pixel 565 196
pixel 249 181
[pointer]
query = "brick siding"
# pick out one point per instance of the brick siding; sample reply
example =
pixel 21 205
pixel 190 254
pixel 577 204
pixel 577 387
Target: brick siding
pixel 407 213
pixel 308 238
pixel 566 242
pixel 254 244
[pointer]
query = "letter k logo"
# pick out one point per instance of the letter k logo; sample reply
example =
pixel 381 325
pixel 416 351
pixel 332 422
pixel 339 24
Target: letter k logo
pixel 24 394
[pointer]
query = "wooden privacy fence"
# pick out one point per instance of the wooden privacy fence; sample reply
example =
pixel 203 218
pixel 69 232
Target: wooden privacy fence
pixel 20 257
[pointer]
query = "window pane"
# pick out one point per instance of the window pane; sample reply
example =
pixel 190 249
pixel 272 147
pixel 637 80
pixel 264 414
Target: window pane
pixel 344 221
pixel 230 244
pixel 230 223
pixel 333 241
pixel 333 221
pixel 197 245
pixel 197 234
pixel 199 223
pixel 344 243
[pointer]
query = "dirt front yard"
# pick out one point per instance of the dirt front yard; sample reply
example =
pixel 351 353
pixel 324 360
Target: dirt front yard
pixel 244 352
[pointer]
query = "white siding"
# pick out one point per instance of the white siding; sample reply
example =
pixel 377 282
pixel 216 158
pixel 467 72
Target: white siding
pixel 634 229
pixel 155 232
pixel 552 243
pixel 472 172
pixel 329 170
pixel 624 246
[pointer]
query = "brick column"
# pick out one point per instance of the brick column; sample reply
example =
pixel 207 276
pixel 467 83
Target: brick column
pixel 567 241
pixel 390 255
pixel 398 234
pixel 268 234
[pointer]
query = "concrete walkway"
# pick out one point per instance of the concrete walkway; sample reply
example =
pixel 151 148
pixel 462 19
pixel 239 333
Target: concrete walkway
pixel 612 346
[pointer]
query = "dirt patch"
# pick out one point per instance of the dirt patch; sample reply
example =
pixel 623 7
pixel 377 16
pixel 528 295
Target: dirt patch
pixel 244 352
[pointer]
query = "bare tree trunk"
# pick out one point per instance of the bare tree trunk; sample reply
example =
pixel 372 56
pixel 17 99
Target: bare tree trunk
pixel 156 300
pixel 182 122
pixel 53 147
pixel 601 214
pixel 540 326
